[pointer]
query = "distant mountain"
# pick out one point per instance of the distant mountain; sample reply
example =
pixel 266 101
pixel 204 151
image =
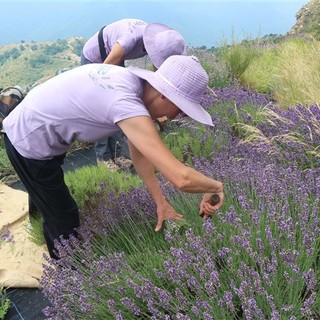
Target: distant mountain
pixel 26 63
pixel 29 62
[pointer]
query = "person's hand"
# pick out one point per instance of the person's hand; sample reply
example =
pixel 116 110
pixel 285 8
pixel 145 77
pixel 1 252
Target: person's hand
pixel 207 208
pixel 163 120
pixel 166 212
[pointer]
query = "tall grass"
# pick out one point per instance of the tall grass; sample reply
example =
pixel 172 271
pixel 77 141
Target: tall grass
pixel 238 57
pixel 297 78
pixel 289 71
pixel 261 73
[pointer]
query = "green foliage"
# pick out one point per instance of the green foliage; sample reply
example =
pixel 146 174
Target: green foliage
pixel 289 71
pixel 238 57
pixel 250 115
pixel 4 304
pixel 260 74
pixel 13 54
pixel 310 20
pixel 77 46
pixel 35 230
pixel 54 49
pixel 86 181
pixel 4 160
pixel 218 74
pixel 137 240
pixel 184 145
pixel 7 172
pixel 39 61
pixel 29 67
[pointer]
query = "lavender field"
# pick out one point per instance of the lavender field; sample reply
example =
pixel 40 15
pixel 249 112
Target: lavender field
pixel 257 258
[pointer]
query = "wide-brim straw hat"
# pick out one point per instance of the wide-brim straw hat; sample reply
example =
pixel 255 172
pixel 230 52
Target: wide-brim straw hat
pixel 161 42
pixel 183 81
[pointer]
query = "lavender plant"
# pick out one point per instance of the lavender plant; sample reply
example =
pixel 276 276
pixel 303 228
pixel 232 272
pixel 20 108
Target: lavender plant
pixel 258 258
pixel 237 266
pixel 293 134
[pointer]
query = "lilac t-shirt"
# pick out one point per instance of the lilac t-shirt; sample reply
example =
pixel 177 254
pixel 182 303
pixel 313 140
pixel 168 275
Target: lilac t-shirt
pixel 127 32
pixel 82 104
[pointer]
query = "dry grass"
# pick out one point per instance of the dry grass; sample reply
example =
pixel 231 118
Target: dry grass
pixel 297 75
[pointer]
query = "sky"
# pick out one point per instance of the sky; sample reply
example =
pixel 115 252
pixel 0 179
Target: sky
pixel 201 23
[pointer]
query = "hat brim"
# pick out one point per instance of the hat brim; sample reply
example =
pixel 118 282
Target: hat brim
pixel 150 32
pixel 192 109
pixel 161 42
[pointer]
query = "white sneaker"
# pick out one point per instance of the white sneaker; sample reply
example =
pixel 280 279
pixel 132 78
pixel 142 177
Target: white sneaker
pixel 109 164
pixel 123 162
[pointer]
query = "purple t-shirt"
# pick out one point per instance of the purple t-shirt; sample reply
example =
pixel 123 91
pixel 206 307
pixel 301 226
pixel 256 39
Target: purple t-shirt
pixel 127 32
pixel 82 104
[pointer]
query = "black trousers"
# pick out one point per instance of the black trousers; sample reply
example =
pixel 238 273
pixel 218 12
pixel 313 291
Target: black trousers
pixel 44 181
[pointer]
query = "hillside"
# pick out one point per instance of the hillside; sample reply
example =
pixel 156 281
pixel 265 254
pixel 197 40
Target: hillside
pixel 307 20
pixel 26 63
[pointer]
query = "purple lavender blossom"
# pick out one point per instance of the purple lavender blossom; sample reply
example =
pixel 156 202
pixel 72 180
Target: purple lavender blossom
pixel 266 234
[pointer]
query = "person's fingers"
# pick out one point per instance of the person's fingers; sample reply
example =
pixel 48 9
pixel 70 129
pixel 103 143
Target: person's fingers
pixel 178 218
pixel 159 225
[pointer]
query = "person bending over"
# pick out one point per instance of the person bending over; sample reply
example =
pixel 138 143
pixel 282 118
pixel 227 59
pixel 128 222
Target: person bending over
pixel 94 101
pixel 128 39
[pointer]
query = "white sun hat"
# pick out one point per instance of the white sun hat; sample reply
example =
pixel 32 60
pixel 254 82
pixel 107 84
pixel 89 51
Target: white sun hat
pixel 183 81
pixel 162 42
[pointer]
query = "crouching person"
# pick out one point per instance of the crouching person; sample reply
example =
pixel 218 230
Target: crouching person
pixel 94 101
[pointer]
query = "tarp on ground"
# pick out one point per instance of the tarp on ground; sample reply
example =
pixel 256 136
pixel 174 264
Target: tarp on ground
pixel 21 262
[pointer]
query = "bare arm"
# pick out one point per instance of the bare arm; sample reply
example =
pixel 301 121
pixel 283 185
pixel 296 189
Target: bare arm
pixel 147 150
pixel 142 133
pixel 116 56
pixel 145 170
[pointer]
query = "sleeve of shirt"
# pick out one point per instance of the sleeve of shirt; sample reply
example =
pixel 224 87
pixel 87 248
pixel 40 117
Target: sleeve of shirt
pixel 124 109
pixel 127 43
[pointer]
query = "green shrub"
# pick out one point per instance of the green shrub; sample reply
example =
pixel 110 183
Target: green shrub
pixel 4 304
pixel 289 71
pixel 260 74
pixel 86 181
pixel 238 57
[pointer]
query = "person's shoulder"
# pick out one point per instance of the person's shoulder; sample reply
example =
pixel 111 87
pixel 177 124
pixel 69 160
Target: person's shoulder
pixel 125 25
pixel 124 73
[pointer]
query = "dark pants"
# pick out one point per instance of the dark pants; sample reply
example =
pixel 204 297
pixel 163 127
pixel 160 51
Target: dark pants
pixel 44 181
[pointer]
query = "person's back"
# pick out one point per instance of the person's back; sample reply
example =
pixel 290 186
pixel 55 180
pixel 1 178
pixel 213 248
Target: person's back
pixel 122 40
pixel 92 101
pixel 128 33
